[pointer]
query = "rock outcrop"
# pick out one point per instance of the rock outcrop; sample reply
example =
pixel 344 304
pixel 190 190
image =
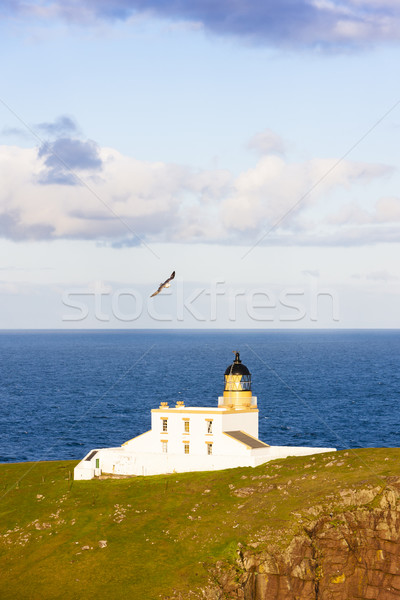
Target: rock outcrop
pixel 350 550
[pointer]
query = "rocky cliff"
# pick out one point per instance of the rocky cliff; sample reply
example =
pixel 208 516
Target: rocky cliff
pixel 347 548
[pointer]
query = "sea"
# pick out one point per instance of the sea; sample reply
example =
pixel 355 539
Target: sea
pixel 63 393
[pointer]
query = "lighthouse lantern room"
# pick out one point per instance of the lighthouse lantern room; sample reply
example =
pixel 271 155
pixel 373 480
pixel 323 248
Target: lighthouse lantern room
pixel 237 391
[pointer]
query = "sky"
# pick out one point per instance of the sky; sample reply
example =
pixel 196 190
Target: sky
pixel 251 147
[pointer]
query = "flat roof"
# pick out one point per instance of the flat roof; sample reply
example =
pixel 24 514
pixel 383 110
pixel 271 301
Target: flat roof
pixel 204 409
pixel 247 439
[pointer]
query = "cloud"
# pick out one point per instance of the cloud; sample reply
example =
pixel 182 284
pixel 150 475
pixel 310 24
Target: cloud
pixel 274 192
pixel 381 276
pixel 8 288
pixel 16 132
pixel 385 210
pixel 65 158
pixel 10 227
pixel 267 142
pixel 388 210
pixel 322 23
pixel 353 224
pixel 122 201
pixel 131 198
pixel 377 276
pixel 61 126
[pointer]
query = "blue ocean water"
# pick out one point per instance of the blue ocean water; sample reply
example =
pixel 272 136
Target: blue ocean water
pixel 63 393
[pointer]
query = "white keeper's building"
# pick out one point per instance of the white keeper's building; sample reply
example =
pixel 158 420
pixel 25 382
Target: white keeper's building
pixel 185 438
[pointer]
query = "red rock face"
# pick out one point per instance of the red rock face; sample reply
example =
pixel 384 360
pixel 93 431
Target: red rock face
pixel 353 555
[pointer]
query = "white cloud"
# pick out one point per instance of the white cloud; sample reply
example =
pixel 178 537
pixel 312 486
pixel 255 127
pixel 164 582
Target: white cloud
pixel 9 288
pixel 388 210
pixel 385 211
pixel 350 214
pixel 267 142
pixel 276 191
pixel 128 200
pixel 127 197
pixel 382 275
pixel 360 21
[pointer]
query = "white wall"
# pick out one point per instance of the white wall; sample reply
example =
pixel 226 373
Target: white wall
pixel 157 464
pixel 241 421
pixel 274 452
pixel 84 470
pixel 197 437
pixel 122 461
pixel 142 443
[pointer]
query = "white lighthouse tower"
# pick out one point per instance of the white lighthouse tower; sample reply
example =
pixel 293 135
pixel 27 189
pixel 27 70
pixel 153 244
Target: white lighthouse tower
pixel 185 438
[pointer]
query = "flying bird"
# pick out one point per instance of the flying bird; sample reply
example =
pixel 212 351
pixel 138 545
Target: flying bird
pixel 166 284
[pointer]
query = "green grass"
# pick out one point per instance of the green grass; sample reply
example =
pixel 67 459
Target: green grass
pixel 161 531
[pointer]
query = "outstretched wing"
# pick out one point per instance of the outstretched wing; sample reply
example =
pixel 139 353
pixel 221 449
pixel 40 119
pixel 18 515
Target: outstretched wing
pixel 162 285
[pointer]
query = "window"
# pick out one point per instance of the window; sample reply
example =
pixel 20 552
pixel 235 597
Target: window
pixel 209 448
pixel 209 426
pixel 164 446
pixel 186 426
pixel 97 463
pixel 165 424
pixel 186 447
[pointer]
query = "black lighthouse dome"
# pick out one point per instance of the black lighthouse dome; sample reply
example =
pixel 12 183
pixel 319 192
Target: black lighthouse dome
pixel 237 367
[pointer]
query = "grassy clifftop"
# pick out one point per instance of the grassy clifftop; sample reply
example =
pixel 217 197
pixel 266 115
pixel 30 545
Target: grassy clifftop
pixel 153 537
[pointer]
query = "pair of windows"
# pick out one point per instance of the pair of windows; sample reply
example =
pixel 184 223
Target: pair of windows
pixel 186 426
pixel 209 448
pixel 186 448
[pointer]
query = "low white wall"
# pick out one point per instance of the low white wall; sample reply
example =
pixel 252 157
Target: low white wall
pixel 157 464
pixel 84 470
pixel 121 461
pixel 274 452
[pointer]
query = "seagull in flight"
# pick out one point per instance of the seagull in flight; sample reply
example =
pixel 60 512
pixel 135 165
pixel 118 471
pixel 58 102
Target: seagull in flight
pixel 165 284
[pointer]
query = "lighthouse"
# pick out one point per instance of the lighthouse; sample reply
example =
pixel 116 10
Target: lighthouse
pixel 196 438
pixel 237 391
